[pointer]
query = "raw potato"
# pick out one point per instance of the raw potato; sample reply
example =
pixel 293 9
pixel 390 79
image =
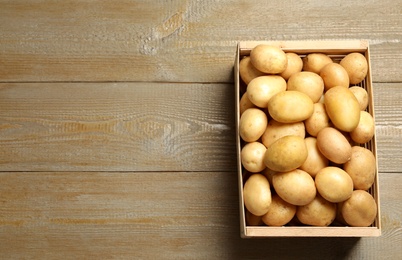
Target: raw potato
pixel 361 168
pixel 334 145
pixel 252 157
pixel 361 96
pixel 290 106
pixel 279 213
pixel 252 125
pixel 286 154
pixel 342 108
pixel 269 59
pixel 360 210
pixel 261 89
pixel 245 103
pixel 334 184
pixel 364 131
pixel 315 159
pixel 295 64
pixel 247 71
pixel 318 120
pixel 334 75
pixel 296 187
pixel 318 212
pixel 257 194
pixel 356 66
pixel 276 130
pixel 253 220
pixel 309 83
pixel 314 62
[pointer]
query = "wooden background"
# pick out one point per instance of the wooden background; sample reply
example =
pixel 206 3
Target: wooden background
pixel 117 135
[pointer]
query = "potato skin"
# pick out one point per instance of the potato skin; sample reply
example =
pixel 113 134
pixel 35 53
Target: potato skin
pixel 261 89
pixel 334 75
pixel 334 184
pixel 269 59
pixel 318 212
pixel 360 210
pixel 315 159
pixel 342 108
pixel 364 131
pixel 279 213
pixel 247 71
pixel 286 154
pixel 257 194
pixel 318 120
pixel 356 66
pixel 361 168
pixel 334 145
pixel 252 157
pixel 276 130
pixel 252 125
pixel 314 62
pixel 307 82
pixel 295 64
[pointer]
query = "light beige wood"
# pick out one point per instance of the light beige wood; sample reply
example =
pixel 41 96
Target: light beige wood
pixel 129 215
pixel 186 41
pixel 116 127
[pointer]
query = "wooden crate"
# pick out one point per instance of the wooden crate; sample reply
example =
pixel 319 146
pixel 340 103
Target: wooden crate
pixel 336 50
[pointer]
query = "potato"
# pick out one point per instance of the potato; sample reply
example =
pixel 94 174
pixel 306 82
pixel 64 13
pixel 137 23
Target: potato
pixel 279 213
pixel 268 173
pixel 252 156
pixel 334 145
pixel 361 96
pixel 295 64
pixel 296 187
pixel 356 66
pixel 334 184
pixel 290 106
pixel 364 131
pixel 361 168
pixel 315 159
pixel 261 89
pixel 318 212
pixel 342 108
pixel 333 75
pixel 318 120
pixel 286 154
pixel 257 194
pixel 276 130
pixel 360 210
pixel 269 59
pixel 252 125
pixel 245 103
pixel 253 220
pixel 307 82
pixel 314 62
pixel 247 71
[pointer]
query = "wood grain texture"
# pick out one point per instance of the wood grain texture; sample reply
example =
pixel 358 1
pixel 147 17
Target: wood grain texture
pixel 74 215
pixel 117 127
pixel 180 41
pixel 126 126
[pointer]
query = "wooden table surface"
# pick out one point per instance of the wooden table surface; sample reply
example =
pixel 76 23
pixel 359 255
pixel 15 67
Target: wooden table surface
pixel 117 136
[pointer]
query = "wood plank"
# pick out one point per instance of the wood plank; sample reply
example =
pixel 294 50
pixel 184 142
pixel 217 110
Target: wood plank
pixel 116 127
pixel 125 126
pixel 186 41
pixel 158 215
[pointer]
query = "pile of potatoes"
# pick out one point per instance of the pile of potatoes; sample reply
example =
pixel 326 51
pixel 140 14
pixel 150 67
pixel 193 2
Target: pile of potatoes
pixel 303 125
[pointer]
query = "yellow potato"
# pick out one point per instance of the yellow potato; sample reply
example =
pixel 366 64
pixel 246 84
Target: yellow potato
pixel 252 156
pixel 314 62
pixel 290 106
pixel 295 64
pixel 286 154
pixel 247 71
pixel 361 168
pixel 356 66
pixel 261 89
pixel 360 210
pixel 318 120
pixel 361 96
pixel 279 213
pixel 296 187
pixel 334 184
pixel 315 159
pixel 269 59
pixel 318 212
pixel 334 145
pixel 342 108
pixel 245 103
pixel 333 75
pixel 253 220
pixel 364 131
pixel 276 130
pixel 257 194
pixel 307 82
pixel 252 125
